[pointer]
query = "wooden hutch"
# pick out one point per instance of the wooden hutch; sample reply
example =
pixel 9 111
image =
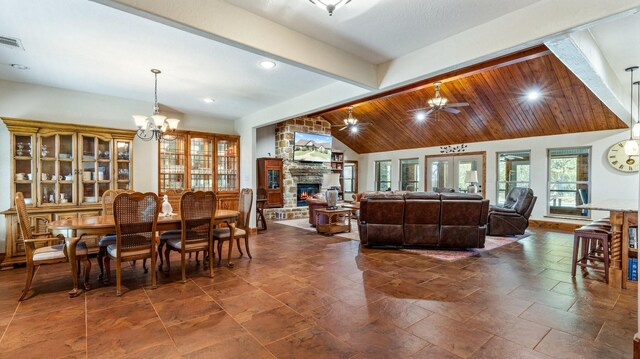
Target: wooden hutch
pixel 62 170
pixel 202 162
pixel 270 179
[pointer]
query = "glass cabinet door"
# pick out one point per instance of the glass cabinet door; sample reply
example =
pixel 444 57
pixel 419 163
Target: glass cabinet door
pixel 172 164
pixel 24 166
pixel 123 153
pixel 273 178
pixel 201 163
pixel 56 169
pixel 227 164
pixel 95 167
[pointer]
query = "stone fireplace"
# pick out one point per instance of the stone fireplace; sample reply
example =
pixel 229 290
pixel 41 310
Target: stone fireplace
pixel 305 190
pixel 295 172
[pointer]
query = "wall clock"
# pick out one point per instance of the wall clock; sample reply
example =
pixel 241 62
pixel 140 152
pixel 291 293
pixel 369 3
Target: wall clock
pixel 621 161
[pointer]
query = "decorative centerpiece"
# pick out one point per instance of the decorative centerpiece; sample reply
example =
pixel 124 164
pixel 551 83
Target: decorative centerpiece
pixel 167 209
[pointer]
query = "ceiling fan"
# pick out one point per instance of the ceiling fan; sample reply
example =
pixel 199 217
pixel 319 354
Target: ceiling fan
pixel 438 103
pixel 351 123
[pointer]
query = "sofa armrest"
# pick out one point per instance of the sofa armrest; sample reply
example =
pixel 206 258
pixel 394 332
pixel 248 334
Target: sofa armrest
pixel 501 210
pixel 505 214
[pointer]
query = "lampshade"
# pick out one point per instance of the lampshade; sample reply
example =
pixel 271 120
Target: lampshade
pixel 330 180
pixel 158 120
pixel 173 123
pixel 471 177
pixel 140 120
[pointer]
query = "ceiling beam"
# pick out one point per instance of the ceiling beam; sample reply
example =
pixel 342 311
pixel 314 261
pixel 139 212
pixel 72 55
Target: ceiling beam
pixel 225 23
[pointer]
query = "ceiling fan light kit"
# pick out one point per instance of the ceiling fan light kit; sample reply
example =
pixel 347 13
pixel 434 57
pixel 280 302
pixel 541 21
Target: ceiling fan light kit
pixel 437 103
pixel 330 5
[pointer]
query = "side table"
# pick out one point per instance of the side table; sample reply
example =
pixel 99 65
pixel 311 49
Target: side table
pixel 338 220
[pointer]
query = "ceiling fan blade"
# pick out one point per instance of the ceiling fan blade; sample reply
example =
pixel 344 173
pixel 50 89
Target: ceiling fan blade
pixel 431 110
pixel 342 129
pixel 364 123
pixel 418 109
pixel 451 110
pixel 459 104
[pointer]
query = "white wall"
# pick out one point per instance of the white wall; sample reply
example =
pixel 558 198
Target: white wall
pixel 606 182
pixel 19 100
pixel 266 141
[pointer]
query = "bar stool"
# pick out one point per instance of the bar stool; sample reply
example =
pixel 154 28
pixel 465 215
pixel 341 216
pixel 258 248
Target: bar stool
pixel 594 241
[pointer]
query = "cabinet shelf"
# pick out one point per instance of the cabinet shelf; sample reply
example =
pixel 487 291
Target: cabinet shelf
pixel 22 158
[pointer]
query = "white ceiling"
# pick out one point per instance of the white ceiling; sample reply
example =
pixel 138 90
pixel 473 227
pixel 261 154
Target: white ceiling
pixel 619 41
pixel 85 46
pixel 381 30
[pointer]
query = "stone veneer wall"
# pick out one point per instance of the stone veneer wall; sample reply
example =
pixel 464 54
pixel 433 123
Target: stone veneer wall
pixel 295 172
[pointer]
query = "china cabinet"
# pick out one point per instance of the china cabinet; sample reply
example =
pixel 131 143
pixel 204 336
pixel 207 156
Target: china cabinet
pixel 62 170
pixel 270 179
pixel 201 162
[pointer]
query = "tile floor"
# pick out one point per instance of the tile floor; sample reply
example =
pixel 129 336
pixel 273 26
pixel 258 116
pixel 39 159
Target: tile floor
pixel 310 296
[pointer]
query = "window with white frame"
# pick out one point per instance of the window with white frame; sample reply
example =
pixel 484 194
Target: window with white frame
pixel 383 175
pixel 513 171
pixel 409 174
pixel 569 185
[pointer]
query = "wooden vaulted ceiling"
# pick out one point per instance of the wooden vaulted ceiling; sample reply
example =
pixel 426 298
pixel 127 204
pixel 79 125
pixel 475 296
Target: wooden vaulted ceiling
pixel 496 91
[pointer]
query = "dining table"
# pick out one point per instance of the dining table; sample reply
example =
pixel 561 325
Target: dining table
pixel 75 228
pixel 621 213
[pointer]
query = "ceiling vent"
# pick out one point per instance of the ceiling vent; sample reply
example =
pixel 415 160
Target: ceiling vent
pixel 11 42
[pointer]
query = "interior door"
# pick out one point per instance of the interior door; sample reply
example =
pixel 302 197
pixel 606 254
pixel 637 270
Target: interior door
pixel 451 172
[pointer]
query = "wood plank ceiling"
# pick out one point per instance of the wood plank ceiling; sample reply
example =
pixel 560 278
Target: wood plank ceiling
pixel 498 108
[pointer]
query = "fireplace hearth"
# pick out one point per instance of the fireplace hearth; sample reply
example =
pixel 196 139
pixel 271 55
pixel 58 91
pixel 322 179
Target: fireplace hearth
pixel 304 191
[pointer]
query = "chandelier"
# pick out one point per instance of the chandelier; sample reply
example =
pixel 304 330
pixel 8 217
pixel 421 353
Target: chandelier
pixel 437 101
pixel 330 5
pixel 156 126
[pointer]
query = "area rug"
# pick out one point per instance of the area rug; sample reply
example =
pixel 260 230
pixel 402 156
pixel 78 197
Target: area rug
pixel 490 243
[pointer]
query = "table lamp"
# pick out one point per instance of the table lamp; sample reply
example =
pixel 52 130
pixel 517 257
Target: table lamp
pixel 472 179
pixel 331 181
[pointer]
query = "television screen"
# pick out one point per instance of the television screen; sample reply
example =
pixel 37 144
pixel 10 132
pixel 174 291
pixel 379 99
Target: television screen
pixel 312 148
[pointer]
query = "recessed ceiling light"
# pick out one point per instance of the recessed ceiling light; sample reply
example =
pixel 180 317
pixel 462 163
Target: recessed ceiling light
pixel 268 65
pixel 533 95
pixel 20 67
pixel 421 116
pixel 208 100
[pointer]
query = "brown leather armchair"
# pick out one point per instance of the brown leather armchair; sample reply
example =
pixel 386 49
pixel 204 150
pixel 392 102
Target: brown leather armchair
pixel 315 202
pixel 512 218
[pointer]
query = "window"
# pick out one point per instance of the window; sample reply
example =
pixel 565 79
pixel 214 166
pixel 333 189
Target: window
pixel 350 176
pixel 569 181
pixel 383 175
pixel 409 174
pixel 513 171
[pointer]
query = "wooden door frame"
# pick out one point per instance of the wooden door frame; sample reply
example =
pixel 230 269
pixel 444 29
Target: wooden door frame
pixel 476 153
pixel 355 163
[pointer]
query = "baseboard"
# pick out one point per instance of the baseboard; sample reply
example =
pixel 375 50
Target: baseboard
pixel 555 225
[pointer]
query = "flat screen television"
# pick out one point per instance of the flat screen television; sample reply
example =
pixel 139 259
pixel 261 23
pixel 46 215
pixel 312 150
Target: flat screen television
pixel 309 147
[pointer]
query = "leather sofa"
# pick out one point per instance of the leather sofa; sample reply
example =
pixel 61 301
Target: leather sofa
pixel 512 218
pixel 314 202
pixel 428 219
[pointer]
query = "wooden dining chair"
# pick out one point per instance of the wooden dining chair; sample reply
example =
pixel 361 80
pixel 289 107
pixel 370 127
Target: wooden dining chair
pixel 197 212
pixel 136 217
pixel 174 197
pixel 52 252
pixel 107 210
pixel 245 203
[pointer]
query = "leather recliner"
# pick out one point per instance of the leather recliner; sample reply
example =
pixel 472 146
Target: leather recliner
pixel 512 218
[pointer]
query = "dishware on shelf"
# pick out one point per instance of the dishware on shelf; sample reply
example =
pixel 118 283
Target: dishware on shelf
pixel 61 178
pixel 86 176
pixel 20 146
pixel 65 155
pixel 29 176
pixel 44 152
pixel 100 176
pixel 44 176
pixel 90 199
pixel 52 198
pixel 19 176
pixel 68 177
